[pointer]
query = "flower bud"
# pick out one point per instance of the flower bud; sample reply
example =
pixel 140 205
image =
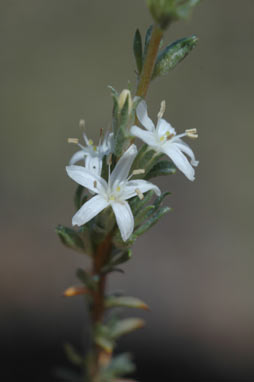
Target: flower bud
pixel 124 96
pixel 166 11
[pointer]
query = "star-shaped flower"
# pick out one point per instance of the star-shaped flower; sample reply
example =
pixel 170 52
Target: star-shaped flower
pixel 91 154
pixel 114 193
pixel 163 139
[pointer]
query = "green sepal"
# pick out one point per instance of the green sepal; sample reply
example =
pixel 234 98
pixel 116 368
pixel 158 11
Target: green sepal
pixel 125 326
pixel 125 301
pixel 160 199
pixel 72 355
pixel 172 55
pixel 119 366
pixel 138 51
pixel 70 238
pixel 87 279
pixel 161 168
pixel 121 131
pixel 150 222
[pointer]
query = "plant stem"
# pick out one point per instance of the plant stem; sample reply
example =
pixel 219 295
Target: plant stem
pixel 100 259
pixel 150 58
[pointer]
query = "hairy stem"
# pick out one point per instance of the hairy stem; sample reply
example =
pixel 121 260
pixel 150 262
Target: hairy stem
pixel 150 58
pixel 100 259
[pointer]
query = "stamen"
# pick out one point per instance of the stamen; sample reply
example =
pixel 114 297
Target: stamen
pixel 90 142
pixel 138 171
pixel 191 133
pixel 94 148
pixel 139 193
pixel 112 197
pixel 73 140
pixel 162 109
pixel 109 160
pixel 82 123
pixel 95 184
pixel 118 188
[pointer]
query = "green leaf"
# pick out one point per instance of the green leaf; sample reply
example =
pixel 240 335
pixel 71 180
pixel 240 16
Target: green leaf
pixel 147 39
pixel 120 365
pixel 72 355
pixel 70 238
pixel 78 200
pixel 105 343
pixel 143 214
pixel 150 222
pixel 173 54
pixel 136 204
pixel 117 258
pixel 160 199
pixel 125 301
pixel 161 168
pixel 87 279
pixel 138 51
pixel 126 326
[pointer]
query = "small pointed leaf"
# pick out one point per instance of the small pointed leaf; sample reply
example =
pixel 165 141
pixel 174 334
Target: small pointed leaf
pixel 143 214
pixel 125 326
pixel 72 355
pixel 173 54
pixel 105 343
pixel 161 168
pixel 138 51
pixel 70 238
pixel 150 222
pixel 147 39
pixel 120 365
pixel 125 301
pixel 87 279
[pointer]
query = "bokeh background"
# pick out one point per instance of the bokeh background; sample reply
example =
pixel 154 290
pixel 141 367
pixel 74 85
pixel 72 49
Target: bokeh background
pixel 195 268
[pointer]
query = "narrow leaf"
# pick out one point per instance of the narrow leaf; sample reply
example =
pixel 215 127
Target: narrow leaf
pixel 143 214
pixel 104 343
pixel 126 326
pixel 75 291
pixel 72 355
pixel 150 222
pixel 70 238
pixel 120 365
pixel 87 279
pixel 161 168
pixel 173 54
pixel 147 39
pixel 138 51
pixel 125 301
pixel 137 204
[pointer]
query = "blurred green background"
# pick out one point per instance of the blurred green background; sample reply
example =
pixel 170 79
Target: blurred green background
pixel 195 268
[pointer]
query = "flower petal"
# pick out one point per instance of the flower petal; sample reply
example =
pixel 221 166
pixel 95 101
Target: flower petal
pixel 124 218
pixel 94 164
pixel 87 179
pixel 163 127
pixel 143 116
pixel 179 159
pixel 123 166
pixel 141 185
pixel 89 210
pixel 79 155
pixel 187 150
pixel 146 136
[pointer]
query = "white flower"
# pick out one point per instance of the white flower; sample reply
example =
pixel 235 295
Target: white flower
pixel 114 193
pixel 163 138
pixel 93 155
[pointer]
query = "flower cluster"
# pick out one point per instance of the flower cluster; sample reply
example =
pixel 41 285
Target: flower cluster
pixel 119 186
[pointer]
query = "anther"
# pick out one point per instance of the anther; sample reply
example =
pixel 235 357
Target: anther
pixel 95 184
pixel 139 193
pixel 73 140
pixel 162 109
pixel 191 133
pixel 82 123
pixel 138 171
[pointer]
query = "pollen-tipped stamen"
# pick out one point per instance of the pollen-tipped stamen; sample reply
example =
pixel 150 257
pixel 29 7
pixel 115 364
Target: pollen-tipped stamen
pixel 162 109
pixel 73 140
pixel 139 193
